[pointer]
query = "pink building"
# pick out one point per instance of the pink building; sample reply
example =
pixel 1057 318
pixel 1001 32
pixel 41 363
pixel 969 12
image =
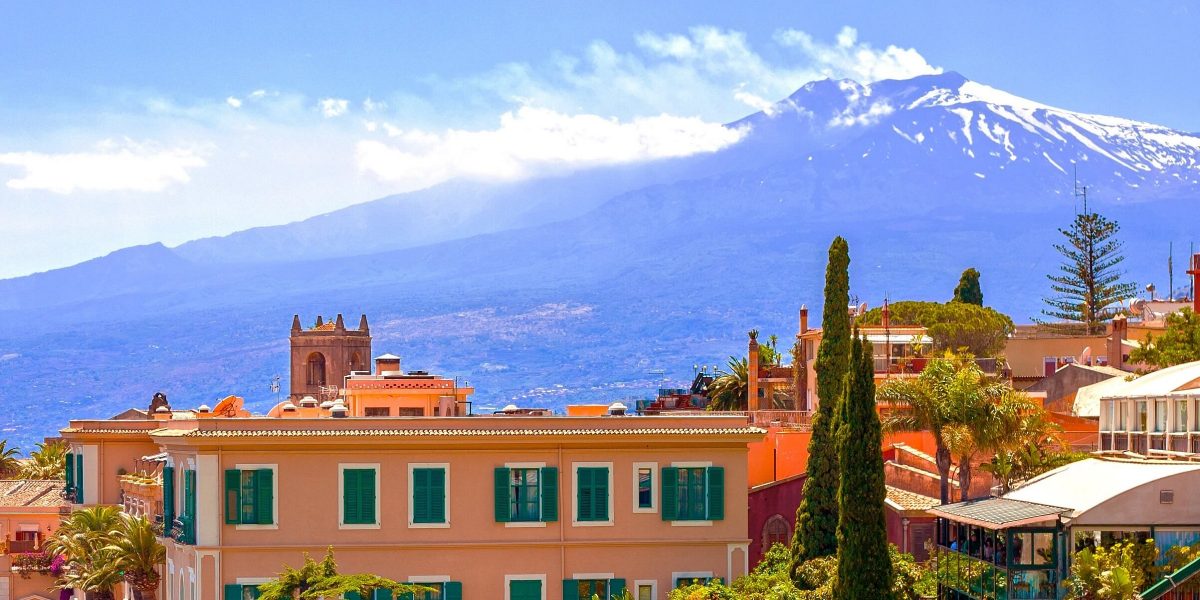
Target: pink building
pixel 489 507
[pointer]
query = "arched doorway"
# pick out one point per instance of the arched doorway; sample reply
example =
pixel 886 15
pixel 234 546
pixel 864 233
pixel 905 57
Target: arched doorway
pixel 776 531
pixel 316 369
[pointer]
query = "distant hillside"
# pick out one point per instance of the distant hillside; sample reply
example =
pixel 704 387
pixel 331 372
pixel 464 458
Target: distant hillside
pixel 924 177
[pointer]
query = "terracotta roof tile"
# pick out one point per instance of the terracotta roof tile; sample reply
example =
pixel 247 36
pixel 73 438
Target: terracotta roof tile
pixel 907 500
pixel 460 432
pixel 31 492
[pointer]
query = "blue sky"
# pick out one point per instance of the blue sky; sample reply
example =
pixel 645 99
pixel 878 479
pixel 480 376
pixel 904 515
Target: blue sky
pixel 131 123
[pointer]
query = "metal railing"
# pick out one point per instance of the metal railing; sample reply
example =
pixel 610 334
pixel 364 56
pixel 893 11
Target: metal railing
pixel 20 546
pixel 798 419
pixel 914 365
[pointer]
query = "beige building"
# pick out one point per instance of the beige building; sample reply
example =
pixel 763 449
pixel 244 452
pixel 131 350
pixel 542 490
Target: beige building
pixel 489 507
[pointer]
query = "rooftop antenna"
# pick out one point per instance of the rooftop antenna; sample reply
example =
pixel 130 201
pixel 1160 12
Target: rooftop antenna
pixel 1080 191
pixel 1170 271
pixel 275 387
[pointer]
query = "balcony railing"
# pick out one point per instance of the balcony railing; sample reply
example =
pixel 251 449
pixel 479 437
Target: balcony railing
pixel 914 365
pixel 796 419
pixel 183 530
pixel 20 546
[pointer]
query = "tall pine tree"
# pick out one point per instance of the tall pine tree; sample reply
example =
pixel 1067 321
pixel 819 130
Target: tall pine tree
pixel 864 565
pixel 1088 281
pixel 968 288
pixel 817 515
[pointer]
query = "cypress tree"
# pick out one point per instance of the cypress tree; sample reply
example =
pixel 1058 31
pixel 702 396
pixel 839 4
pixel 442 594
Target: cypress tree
pixel 968 288
pixel 817 515
pixel 864 564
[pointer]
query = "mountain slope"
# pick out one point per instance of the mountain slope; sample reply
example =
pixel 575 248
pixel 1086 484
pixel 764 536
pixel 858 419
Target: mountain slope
pixel 662 274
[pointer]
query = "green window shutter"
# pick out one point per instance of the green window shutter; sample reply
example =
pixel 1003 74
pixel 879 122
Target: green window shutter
pixel 616 587
pixel 233 496
pixel 79 479
pixel 255 591
pixel 500 478
pixel 264 497
pixel 549 494
pixel 422 511
pixel 353 596
pixel 366 489
pixel 168 479
pixel 437 495
pixel 69 470
pixel 571 590
pixel 670 500
pixel 600 497
pixel 452 590
pixel 381 594
pixel 233 591
pixel 525 589
pixel 716 493
pixel 189 492
pixel 350 497
pixel 583 494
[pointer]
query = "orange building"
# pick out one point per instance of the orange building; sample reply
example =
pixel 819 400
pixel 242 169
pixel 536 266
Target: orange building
pixel 514 507
pixel 29 512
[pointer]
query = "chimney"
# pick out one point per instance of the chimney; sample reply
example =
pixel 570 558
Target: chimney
pixel 387 363
pixel 1195 273
pixel 362 324
pixel 1116 350
pixel 803 318
pixel 752 401
pixel 340 325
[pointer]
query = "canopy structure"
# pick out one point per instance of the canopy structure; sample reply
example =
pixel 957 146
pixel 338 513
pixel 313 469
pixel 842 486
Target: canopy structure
pixel 999 513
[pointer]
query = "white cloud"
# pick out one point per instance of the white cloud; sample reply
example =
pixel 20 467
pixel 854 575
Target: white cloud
pixel 234 102
pixel 370 105
pixel 858 61
pixel 131 168
pixel 533 141
pixel 333 107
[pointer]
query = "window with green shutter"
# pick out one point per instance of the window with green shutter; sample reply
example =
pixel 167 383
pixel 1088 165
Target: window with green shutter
pixel 237 591
pixel 525 589
pixel 591 493
pixel 168 480
pixel 526 494
pixel 693 493
pixel 585 589
pixel 250 496
pixel 358 496
pixel 443 590
pixel 69 472
pixel 79 479
pixel 429 495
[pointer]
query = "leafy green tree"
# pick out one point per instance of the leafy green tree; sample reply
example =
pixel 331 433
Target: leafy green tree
pixel 1088 281
pixel 954 326
pixel 921 404
pixel 316 580
pixel 730 388
pixel 9 464
pixel 817 515
pixel 864 566
pixel 968 290
pixel 1114 573
pixel 138 554
pixel 1178 344
pixel 1036 447
pixel 985 415
pixel 292 581
pixel 46 463
pixel 84 539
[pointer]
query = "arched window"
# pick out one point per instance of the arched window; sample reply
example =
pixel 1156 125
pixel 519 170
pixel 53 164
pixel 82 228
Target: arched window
pixel 776 531
pixel 316 369
pixel 356 362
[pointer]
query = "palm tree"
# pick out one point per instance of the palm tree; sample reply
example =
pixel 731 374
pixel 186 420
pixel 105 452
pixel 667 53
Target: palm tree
pixel 9 464
pixel 46 463
pixel 730 388
pixel 84 540
pixel 921 405
pixel 985 417
pixel 138 554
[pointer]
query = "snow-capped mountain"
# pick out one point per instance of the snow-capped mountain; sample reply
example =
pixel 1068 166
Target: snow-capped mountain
pixel 581 283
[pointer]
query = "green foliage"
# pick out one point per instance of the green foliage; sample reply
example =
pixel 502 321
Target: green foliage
pixel 363 584
pixel 864 566
pixel 729 389
pixel 1180 343
pixel 315 580
pixel 46 463
pixel 958 327
pixel 817 515
pixel 968 289
pixel 922 404
pixel 138 553
pixel 1113 573
pixel 1036 448
pixel 9 464
pixel 1088 281
pixel 713 590
pixel 813 580
pixel 85 539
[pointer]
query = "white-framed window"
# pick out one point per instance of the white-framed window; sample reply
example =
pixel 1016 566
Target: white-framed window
pixel 645 487
pixel 645 589
pixel 685 578
pixel 592 500
pixel 358 496
pixel 257 499
pixel 524 494
pixel 695 494
pixel 525 587
pixel 428 495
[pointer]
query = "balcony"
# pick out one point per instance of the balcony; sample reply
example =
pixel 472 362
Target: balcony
pixel 183 529
pixel 789 419
pixel 20 546
pixel 909 365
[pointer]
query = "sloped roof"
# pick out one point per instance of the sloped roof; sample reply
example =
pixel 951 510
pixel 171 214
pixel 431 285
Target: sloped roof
pixel 906 500
pixel 1179 380
pixel 31 493
pixel 998 513
pixel 1089 483
pixel 448 432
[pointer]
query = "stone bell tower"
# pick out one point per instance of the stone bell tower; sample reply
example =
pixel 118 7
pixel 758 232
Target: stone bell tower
pixel 324 354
